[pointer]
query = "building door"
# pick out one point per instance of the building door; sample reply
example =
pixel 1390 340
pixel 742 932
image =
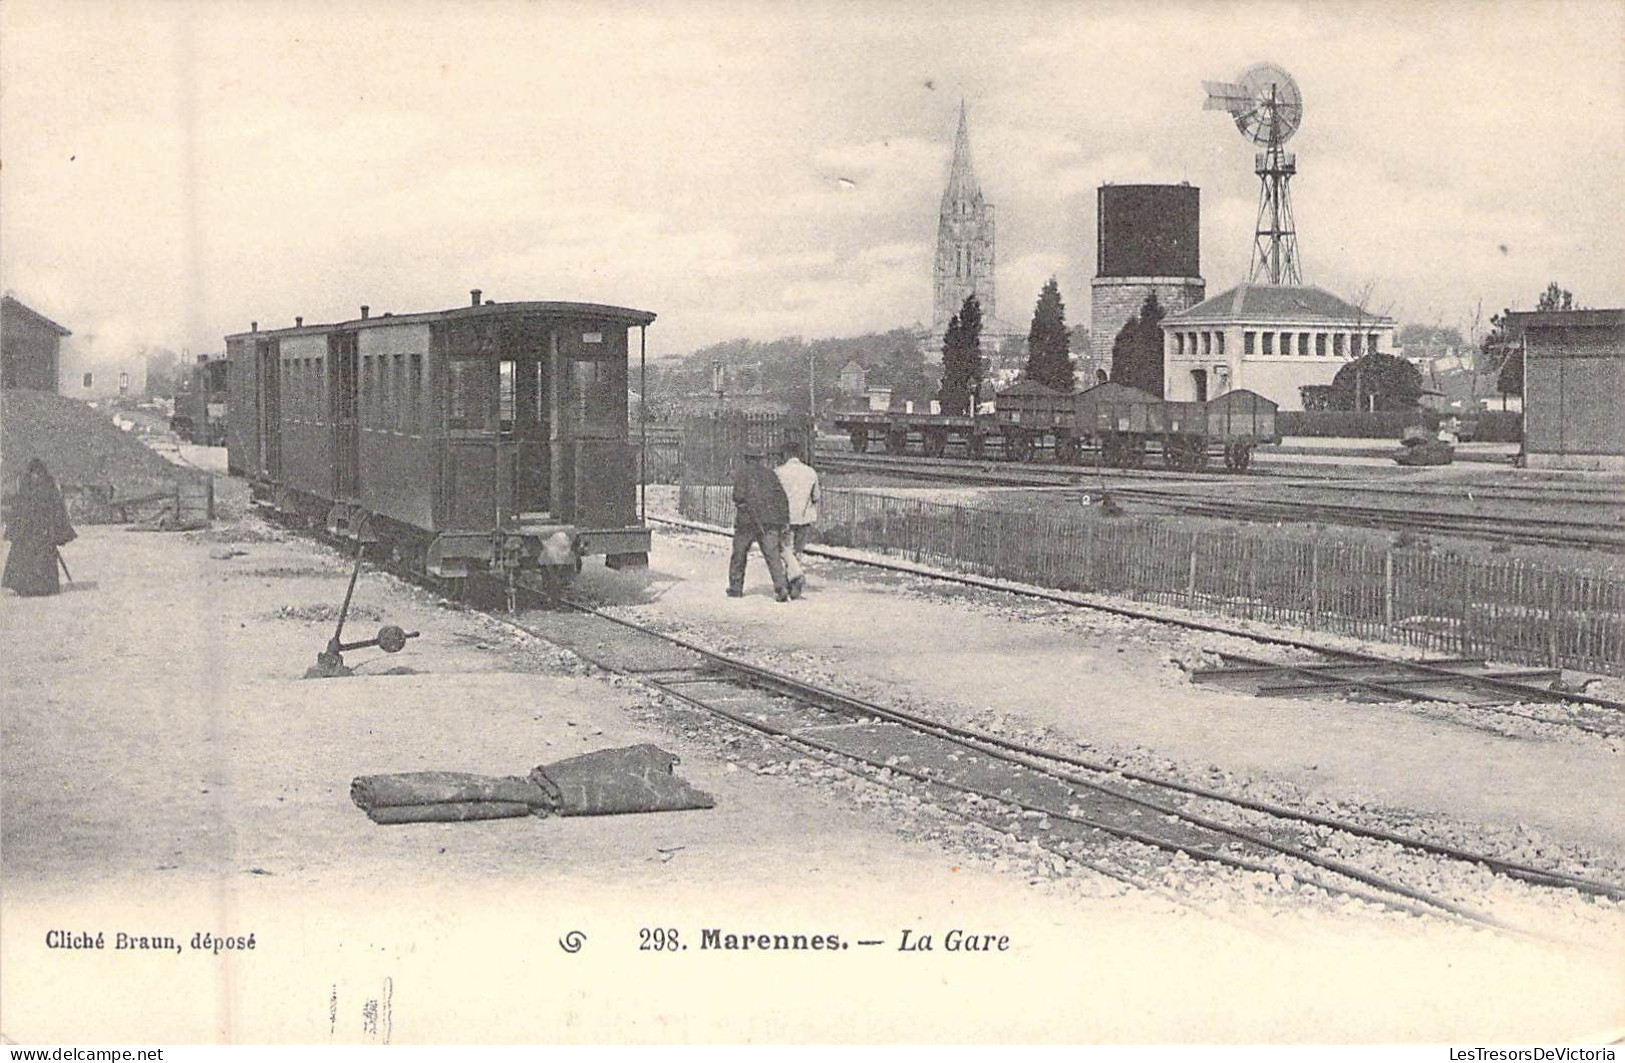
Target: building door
pixel 1199 381
pixel 344 391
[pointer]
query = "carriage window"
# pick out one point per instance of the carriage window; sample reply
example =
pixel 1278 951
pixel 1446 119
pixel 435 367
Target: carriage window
pixel 413 416
pixel 321 392
pixel 386 395
pixel 598 395
pixel 505 395
pixel 467 394
pixel 541 392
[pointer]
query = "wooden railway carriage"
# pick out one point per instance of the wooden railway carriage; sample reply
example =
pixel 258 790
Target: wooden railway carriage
pixel 487 438
pixel 200 409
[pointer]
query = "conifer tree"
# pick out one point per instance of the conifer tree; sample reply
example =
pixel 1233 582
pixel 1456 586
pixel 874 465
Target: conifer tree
pixel 1137 350
pixel 962 359
pixel 1049 346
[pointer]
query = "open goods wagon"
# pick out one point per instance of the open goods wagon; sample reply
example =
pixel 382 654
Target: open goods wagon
pixel 1110 423
pixel 488 438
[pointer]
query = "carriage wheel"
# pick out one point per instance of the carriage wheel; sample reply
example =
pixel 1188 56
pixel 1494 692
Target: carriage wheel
pixel 936 444
pixel 1244 456
pixel 1111 452
pixel 860 440
pixel 1230 455
pixel 1134 454
pixel 973 447
pixel 1021 448
pixel 896 442
pixel 1066 451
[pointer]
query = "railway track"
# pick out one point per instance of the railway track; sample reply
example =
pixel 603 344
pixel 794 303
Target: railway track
pixel 1128 826
pixel 1534 531
pixel 1526 693
pixel 1085 812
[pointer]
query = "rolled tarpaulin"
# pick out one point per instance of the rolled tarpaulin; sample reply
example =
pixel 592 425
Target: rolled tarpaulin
pixel 445 787
pixel 614 781
pixel 451 812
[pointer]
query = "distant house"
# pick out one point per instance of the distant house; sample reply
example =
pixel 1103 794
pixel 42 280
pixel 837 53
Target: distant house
pixel 854 378
pixel 96 368
pixel 879 398
pixel 30 347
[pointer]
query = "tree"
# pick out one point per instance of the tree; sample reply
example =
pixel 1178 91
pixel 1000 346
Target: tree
pixel 1503 347
pixel 962 367
pixel 1049 345
pixel 1377 382
pixel 1137 350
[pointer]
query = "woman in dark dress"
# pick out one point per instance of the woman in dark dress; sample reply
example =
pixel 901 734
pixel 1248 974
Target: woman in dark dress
pixel 36 524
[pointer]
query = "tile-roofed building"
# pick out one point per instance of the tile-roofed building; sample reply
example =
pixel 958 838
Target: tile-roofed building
pixel 1270 338
pixel 30 347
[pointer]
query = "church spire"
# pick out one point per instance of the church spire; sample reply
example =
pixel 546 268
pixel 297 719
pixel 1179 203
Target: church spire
pixel 962 186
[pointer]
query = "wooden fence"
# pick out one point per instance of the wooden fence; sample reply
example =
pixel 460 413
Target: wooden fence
pixel 1504 610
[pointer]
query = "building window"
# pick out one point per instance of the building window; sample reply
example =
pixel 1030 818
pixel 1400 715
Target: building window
pixel 1247 341
pixel 1337 345
pixel 87 380
pixel 1269 343
pixel 1320 345
pixel 1220 338
pixel 1303 345
pixel 1354 345
pixel 1371 343
pixel 1207 344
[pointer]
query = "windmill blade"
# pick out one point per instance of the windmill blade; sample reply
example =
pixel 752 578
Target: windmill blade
pixel 1226 96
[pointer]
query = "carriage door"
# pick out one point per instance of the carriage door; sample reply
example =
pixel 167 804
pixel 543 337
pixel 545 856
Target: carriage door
pixel 523 398
pixel 267 358
pixel 592 461
pixel 344 388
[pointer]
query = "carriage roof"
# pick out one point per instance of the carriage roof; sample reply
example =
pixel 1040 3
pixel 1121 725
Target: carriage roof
pixel 596 311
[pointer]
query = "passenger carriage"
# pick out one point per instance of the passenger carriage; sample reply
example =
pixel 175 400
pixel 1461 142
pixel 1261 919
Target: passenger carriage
pixel 492 437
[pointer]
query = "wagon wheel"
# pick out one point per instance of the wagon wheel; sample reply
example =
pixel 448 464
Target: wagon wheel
pixel 1244 456
pixel 973 446
pixel 936 444
pixel 1230 455
pixel 860 440
pixel 1173 453
pixel 1111 452
pixel 1066 451
pixel 896 442
pixel 1134 454
pixel 1021 448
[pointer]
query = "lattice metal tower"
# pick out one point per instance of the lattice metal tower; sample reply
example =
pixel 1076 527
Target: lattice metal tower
pixel 1268 108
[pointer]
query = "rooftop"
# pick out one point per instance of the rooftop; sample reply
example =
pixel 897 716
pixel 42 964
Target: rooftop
pixel 1275 302
pixel 13 305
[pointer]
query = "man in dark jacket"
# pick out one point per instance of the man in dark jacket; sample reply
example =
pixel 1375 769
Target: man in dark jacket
pixel 761 515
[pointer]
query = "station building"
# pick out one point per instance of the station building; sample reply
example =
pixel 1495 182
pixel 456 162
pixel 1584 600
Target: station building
pixel 1573 388
pixel 1273 339
pixel 30 347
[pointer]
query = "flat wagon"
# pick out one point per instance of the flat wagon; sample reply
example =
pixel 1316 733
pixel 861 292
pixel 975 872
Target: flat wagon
pixel 487 438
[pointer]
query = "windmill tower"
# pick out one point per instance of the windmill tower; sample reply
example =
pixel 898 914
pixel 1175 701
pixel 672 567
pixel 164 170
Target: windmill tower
pixel 1268 108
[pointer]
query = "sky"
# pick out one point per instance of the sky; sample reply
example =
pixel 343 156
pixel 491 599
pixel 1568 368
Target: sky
pixel 174 170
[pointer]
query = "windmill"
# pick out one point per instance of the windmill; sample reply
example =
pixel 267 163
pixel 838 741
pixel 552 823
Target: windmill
pixel 1268 108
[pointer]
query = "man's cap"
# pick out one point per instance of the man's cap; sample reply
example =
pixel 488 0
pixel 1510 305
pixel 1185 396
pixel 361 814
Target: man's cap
pixel 754 451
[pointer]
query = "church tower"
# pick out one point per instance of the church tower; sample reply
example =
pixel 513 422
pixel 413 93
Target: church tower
pixel 964 240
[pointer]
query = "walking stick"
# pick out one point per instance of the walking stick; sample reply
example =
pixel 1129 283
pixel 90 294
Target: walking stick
pixel 61 561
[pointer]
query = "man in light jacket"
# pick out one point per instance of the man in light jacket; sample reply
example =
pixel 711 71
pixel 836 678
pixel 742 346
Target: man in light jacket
pixel 801 491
